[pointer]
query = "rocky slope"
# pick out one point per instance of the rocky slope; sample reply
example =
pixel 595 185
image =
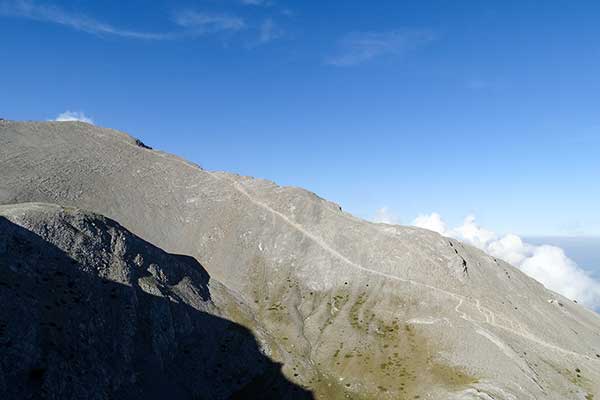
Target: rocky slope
pixel 354 309
pixel 90 311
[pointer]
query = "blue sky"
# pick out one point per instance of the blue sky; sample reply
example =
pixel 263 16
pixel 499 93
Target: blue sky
pixel 490 108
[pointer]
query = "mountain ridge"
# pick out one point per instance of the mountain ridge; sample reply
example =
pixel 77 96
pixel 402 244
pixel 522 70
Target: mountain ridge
pixel 310 271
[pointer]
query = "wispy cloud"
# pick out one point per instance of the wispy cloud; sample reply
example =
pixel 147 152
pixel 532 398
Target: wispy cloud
pixel 255 2
pixel 199 22
pixel 74 116
pixel 547 264
pixel 191 23
pixel 385 216
pixel 359 47
pixel 269 31
pixel 54 14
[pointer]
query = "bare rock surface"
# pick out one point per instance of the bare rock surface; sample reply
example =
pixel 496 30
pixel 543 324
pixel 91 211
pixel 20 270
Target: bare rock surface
pixel 354 309
pixel 89 311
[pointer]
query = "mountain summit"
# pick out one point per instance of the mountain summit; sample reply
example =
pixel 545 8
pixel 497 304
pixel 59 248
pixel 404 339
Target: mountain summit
pixel 349 308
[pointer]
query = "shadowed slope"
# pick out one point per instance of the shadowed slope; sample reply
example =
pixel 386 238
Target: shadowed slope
pixel 90 311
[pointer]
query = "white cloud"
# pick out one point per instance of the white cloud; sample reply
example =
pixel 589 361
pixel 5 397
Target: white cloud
pixel 255 2
pixel 472 233
pixel 54 14
pixel 269 31
pixel 510 248
pixel 359 47
pixel 74 116
pixel 383 215
pixel 199 22
pixel 547 264
pixel 433 222
pixel 193 23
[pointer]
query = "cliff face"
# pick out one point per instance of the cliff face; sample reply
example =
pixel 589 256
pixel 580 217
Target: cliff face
pixel 351 308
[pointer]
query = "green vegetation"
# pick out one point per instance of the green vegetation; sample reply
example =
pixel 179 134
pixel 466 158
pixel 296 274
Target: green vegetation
pixel 394 362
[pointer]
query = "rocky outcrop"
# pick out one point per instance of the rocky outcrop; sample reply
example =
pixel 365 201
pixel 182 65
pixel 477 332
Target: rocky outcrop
pixel 354 309
pixel 90 311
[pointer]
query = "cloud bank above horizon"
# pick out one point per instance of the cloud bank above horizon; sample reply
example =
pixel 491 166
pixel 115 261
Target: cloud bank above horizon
pixel 546 264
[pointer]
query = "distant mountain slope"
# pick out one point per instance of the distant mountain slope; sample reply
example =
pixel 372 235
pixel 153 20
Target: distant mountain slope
pixel 359 309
